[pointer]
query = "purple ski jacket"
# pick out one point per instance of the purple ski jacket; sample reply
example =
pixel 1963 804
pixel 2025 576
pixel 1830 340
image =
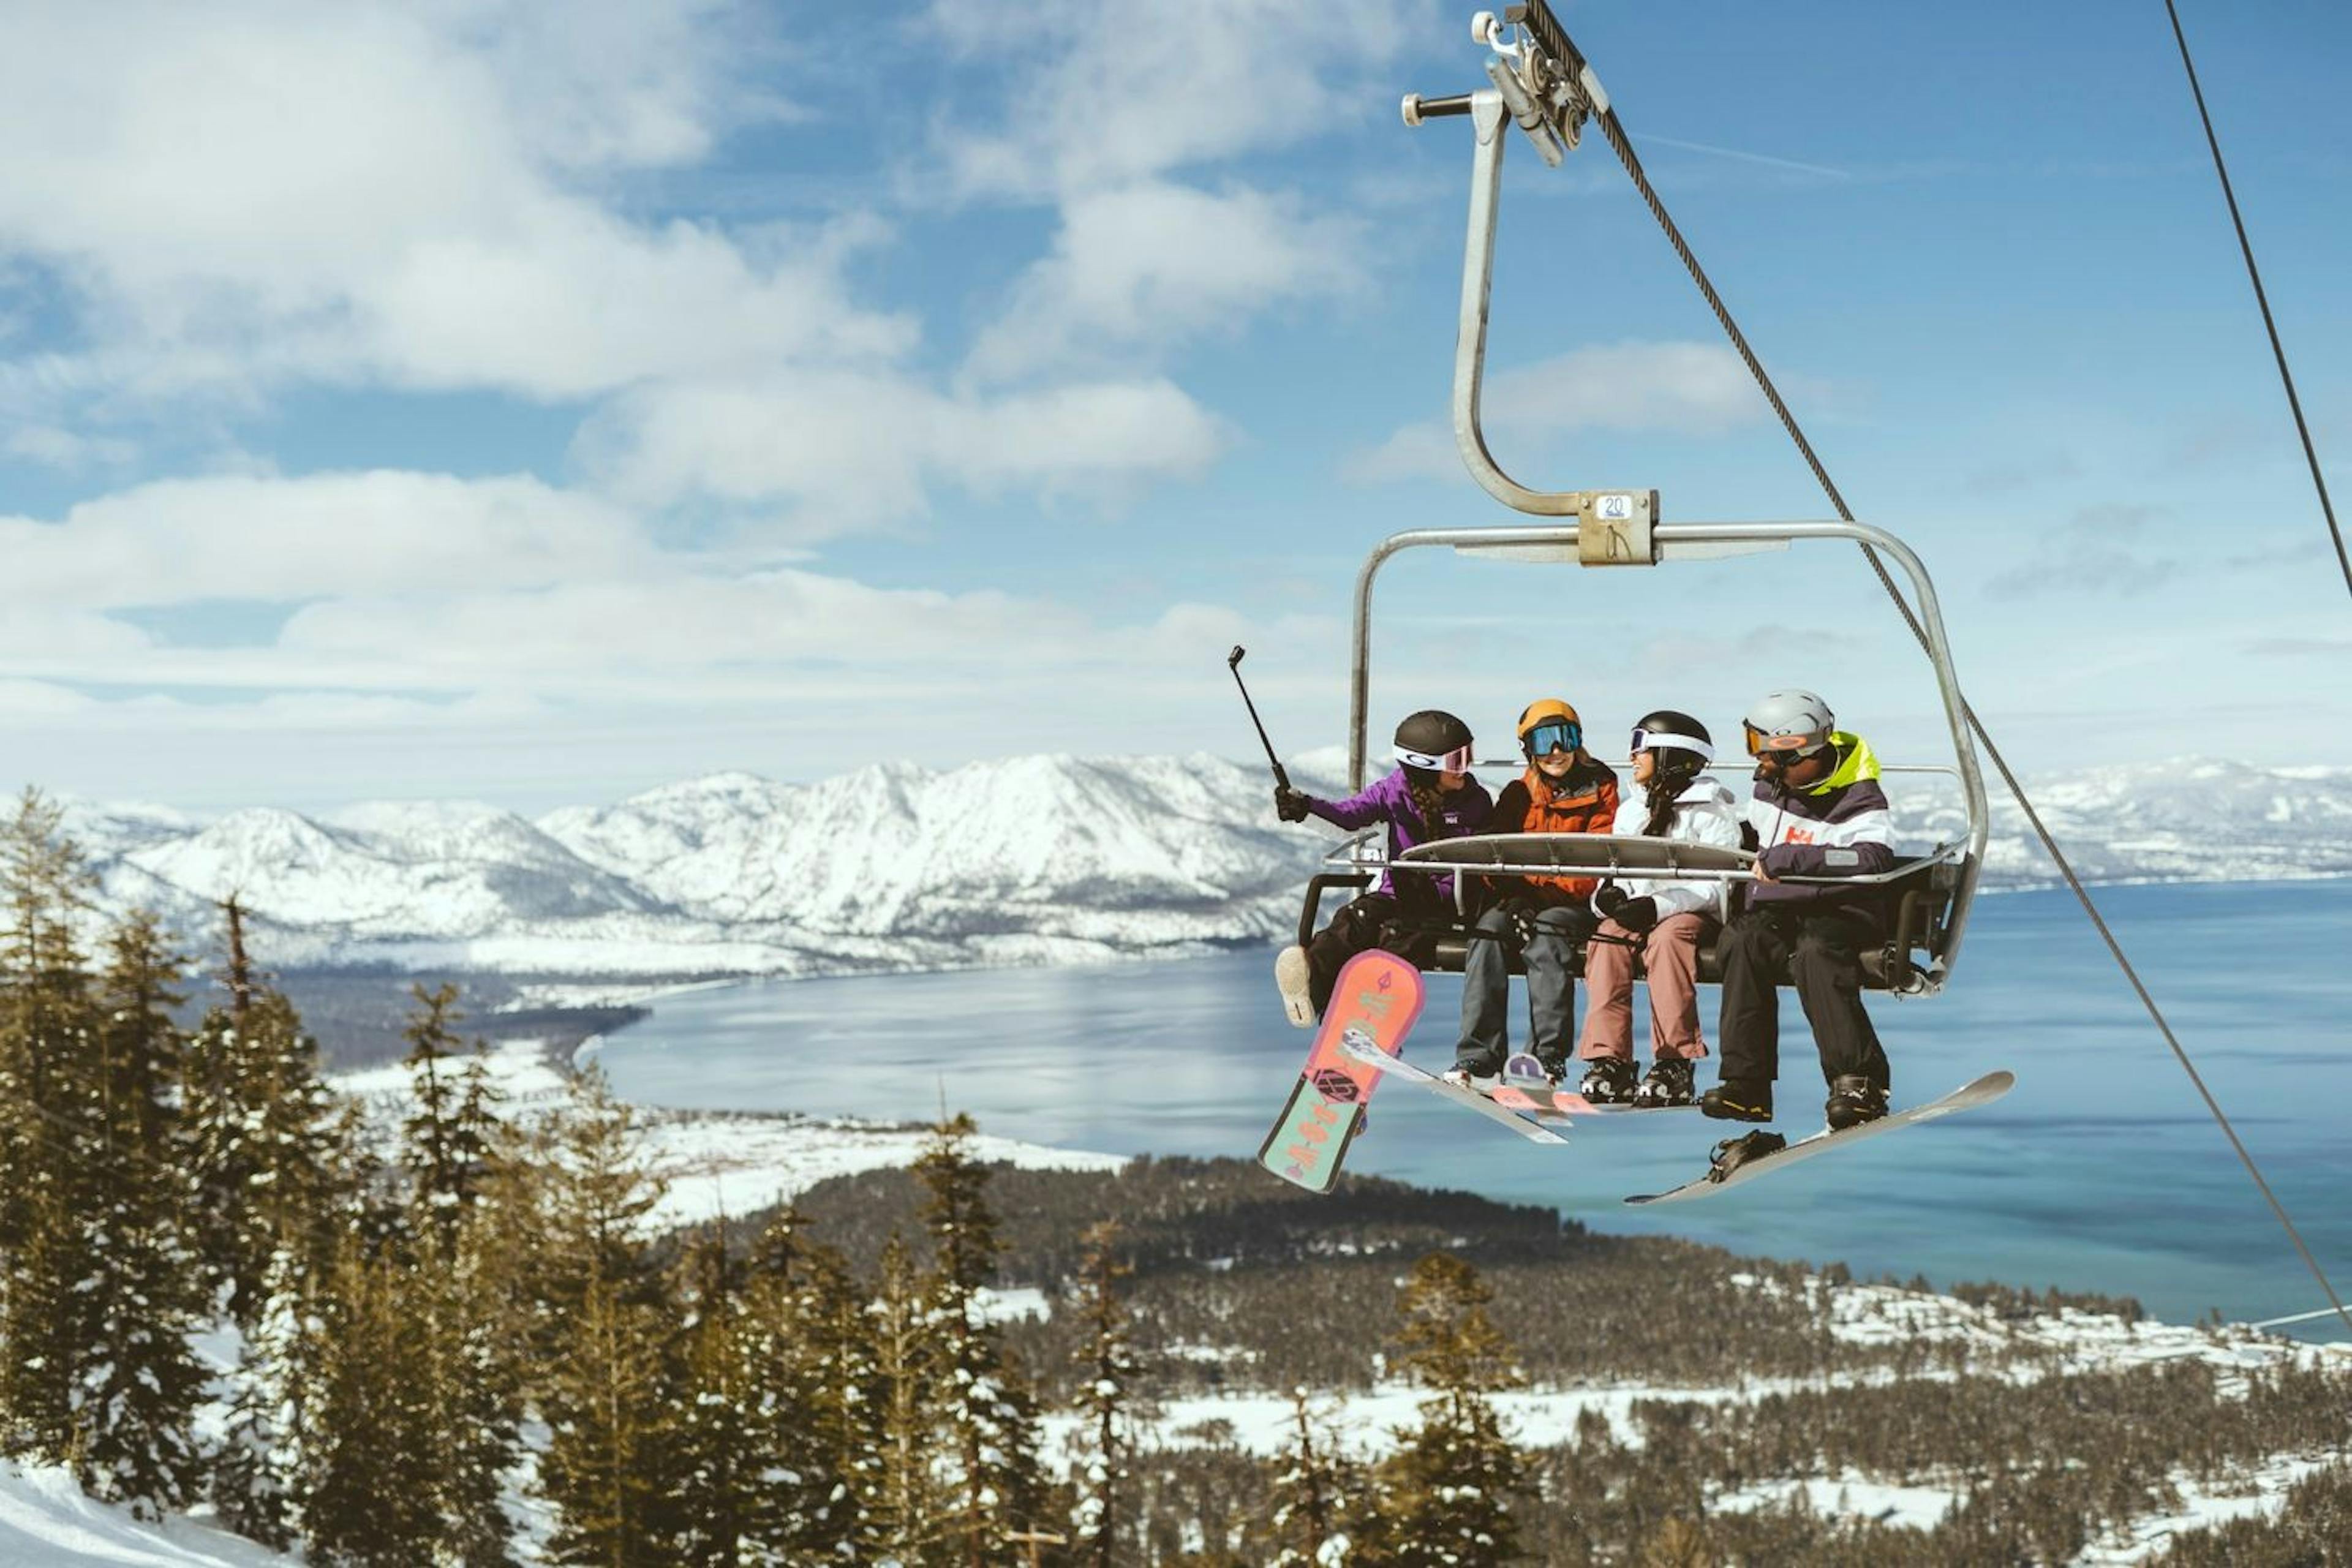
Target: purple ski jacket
pixel 1390 800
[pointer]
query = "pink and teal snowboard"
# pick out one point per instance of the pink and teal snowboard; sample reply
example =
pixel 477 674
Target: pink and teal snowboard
pixel 1378 995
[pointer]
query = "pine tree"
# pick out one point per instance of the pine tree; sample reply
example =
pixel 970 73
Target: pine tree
pixel 145 1295
pixel 268 1146
pixel 371 1458
pixel 903 1498
pixel 261 1474
pixel 997 1485
pixel 1308 1524
pixel 814 1341
pixel 452 1134
pixel 1107 1397
pixel 1444 1495
pixel 50 1125
pixel 729 1444
pixel 598 1315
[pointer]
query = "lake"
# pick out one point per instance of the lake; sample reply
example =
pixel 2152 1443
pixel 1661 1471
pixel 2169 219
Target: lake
pixel 2102 1170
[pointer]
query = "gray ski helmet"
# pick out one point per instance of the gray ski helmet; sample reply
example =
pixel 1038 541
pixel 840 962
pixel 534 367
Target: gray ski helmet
pixel 1681 742
pixel 1433 741
pixel 1793 723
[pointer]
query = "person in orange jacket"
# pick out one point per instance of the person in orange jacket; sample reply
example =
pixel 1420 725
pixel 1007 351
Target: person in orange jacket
pixel 1541 917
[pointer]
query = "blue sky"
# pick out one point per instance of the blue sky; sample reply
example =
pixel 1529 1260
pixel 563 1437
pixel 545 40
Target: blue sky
pixel 536 403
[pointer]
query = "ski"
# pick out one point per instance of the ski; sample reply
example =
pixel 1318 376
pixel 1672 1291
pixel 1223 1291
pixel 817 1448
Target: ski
pixel 1376 1000
pixel 1968 1096
pixel 1369 1053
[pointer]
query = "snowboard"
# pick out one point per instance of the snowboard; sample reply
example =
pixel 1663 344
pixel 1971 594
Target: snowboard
pixel 1364 1050
pixel 1523 1088
pixel 1968 1096
pixel 1376 1000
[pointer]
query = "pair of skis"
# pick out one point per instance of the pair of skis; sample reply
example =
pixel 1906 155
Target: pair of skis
pixel 1373 1007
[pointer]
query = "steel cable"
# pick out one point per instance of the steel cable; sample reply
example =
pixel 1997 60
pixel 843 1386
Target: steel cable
pixel 1614 131
pixel 2262 298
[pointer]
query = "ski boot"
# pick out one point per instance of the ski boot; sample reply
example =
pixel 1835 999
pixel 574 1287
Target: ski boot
pixel 1668 1082
pixel 1734 1152
pixel 1290 978
pixel 1738 1099
pixel 1607 1080
pixel 1854 1100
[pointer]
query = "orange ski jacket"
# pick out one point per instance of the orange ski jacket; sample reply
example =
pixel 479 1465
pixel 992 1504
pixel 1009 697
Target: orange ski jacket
pixel 1583 802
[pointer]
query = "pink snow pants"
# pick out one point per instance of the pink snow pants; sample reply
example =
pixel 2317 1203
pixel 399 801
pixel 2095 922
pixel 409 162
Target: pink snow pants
pixel 1670 956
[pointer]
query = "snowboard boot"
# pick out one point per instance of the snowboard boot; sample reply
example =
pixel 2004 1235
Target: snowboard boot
pixel 1668 1082
pixel 1607 1080
pixel 1734 1152
pixel 1738 1099
pixel 1290 979
pixel 1854 1100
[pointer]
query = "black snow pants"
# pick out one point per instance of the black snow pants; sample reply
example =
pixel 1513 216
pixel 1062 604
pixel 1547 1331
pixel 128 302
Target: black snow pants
pixel 1820 949
pixel 1375 919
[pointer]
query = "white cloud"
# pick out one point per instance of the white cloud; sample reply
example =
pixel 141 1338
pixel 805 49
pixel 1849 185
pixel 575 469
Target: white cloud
pixel 249 195
pixel 1147 264
pixel 252 537
pixel 1698 389
pixel 1106 95
pixel 850 450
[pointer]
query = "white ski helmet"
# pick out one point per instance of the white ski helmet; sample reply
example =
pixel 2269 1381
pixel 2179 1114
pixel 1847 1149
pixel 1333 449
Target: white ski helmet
pixel 1793 723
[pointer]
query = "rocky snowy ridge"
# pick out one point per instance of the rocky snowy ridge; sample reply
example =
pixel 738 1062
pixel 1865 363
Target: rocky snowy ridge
pixel 1026 860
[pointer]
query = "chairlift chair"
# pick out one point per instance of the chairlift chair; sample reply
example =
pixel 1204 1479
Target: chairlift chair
pixel 1541 84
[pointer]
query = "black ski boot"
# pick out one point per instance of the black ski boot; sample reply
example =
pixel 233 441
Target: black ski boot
pixel 1734 1152
pixel 1854 1100
pixel 1607 1080
pixel 1738 1099
pixel 1668 1082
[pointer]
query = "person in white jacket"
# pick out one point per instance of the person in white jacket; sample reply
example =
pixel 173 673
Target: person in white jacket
pixel 1664 920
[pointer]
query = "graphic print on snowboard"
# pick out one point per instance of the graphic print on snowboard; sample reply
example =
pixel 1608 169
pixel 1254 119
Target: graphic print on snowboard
pixel 1376 998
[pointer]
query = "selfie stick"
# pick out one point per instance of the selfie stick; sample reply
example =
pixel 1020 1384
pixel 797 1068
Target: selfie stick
pixel 1234 663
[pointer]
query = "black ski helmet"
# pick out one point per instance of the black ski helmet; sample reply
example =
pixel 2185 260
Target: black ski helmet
pixel 1679 742
pixel 1428 740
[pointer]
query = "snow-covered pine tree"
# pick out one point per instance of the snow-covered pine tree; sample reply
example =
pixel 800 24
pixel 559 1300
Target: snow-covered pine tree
pixel 730 1445
pixel 266 1146
pixel 1443 1499
pixel 1107 1400
pixel 145 1295
pixel 260 1477
pixel 1313 1494
pixel 996 1483
pixel 477 1370
pixel 50 1128
pixel 814 1347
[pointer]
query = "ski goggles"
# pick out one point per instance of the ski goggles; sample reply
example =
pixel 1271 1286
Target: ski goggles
pixel 1456 761
pixel 1553 735
pixel 1760 745
pixel 1653 739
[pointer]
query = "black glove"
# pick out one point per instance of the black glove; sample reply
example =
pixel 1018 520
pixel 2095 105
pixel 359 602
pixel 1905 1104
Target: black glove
pixel 1523 924
pixel 1636 914
pixel 1290 804
pixel 1609 899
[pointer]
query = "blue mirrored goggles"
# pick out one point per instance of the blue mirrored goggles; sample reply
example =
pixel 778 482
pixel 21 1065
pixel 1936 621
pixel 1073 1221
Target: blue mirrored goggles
pixel 1553 735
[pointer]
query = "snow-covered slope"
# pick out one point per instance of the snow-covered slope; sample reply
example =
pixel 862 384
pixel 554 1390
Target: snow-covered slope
pixel 1026 860
pixel 47 1522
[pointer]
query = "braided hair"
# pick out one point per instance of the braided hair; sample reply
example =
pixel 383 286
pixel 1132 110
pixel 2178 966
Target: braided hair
pixel 1673 767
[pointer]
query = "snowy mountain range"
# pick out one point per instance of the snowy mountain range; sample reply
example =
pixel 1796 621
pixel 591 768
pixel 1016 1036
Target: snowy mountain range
pixel 1028 861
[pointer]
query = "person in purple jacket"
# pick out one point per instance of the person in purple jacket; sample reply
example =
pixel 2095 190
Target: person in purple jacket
pixel 1430 795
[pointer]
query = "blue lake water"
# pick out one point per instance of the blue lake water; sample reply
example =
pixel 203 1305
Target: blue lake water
pixel 2102 1170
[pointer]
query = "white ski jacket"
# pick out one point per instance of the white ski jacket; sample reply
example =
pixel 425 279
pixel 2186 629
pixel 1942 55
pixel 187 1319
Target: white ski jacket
pixel 1705 813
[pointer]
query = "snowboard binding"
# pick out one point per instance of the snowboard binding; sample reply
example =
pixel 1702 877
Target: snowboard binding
pixel 1734 1152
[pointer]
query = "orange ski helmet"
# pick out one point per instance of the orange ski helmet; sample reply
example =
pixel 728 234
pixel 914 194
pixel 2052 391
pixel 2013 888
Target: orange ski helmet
pixel 1547 726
